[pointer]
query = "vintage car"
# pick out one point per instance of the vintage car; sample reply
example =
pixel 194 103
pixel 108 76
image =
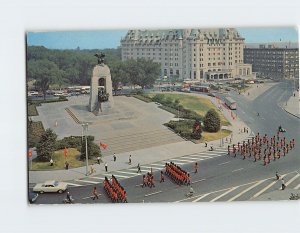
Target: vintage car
pixel 32 197
pixel 50 186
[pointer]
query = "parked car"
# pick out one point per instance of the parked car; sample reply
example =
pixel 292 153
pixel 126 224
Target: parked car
pixel 50 186
pixel 32 197
pixel 227 89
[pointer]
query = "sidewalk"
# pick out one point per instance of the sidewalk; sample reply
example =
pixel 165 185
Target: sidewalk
pixel 292 105
pixel 278 195
pixel 144 156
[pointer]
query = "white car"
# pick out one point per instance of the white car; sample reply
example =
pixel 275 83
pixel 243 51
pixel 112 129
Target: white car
pixel 50 186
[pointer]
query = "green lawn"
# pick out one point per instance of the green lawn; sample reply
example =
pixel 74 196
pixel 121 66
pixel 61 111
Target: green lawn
pixel 206 136
pixel 196 103
pixel 32 110
pixel 59 161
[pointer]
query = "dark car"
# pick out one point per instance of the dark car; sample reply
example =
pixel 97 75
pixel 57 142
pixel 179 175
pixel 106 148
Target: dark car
pixel 32 197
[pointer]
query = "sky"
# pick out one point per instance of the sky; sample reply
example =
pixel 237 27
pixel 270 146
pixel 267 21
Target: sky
pixel 111 39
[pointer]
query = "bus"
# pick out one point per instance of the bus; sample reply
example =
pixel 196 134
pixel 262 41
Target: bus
pixel 199 88
pixel 230 103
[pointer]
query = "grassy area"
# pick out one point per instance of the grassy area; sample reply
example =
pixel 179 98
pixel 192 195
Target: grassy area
pixel 195 103
pixel 206 136
pixel 59 161
pixel 32 110
pixel 35 130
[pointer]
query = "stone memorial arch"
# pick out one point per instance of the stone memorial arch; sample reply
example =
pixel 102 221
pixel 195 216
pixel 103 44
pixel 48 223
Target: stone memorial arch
pixel 101 99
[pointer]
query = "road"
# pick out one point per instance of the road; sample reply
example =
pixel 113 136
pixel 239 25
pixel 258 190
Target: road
pixel 220 178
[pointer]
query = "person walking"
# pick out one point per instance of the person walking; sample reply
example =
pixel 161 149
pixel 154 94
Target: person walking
pixel 105 167
pixel 115 158
pixel 139 168
pixel 282 184
pixel 162 178
pixel 277 176
pixel 144 181
pixel 129 161
pixel 51 162
pixel 95 194
pixel 67 165
pixel 98 159
pixel 196 168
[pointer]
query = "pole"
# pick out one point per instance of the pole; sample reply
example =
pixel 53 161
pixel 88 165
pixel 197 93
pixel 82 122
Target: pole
pixel 220 135
pixel 84 129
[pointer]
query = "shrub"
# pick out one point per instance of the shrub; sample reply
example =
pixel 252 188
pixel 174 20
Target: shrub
pixel 212 121
pixel 69 142
pixel 93 149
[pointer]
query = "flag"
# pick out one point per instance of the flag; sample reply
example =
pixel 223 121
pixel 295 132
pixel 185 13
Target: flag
pixel 103 145
pixel 66 152
pixel 30 153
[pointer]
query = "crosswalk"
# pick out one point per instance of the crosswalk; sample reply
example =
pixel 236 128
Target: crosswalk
pixel 249 191
pixel 156 166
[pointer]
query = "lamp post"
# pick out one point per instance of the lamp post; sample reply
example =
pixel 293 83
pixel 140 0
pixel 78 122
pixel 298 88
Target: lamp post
pixel 85 129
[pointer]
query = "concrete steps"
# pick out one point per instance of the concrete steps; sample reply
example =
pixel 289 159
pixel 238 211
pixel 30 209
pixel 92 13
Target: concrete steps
pixel 139 140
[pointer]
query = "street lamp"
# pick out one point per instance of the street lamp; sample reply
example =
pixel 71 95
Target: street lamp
pixel 85 127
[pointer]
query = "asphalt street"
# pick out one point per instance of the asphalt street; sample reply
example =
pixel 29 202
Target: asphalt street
pixel 221 178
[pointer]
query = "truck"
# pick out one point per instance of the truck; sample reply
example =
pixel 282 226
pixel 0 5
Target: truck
pixel 230 103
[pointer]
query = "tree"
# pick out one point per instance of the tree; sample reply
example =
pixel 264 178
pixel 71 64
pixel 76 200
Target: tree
pixel 212 121
pixel 46 146
pixel 151 72
pixel 118 74
pixel 93 149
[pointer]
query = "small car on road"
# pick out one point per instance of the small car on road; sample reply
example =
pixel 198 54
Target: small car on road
pixel 50 186
pixel 32 197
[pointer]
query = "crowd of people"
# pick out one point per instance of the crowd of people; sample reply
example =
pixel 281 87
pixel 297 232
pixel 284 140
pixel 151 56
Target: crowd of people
pixel 177 174
pixel 263 148
pixel 114 190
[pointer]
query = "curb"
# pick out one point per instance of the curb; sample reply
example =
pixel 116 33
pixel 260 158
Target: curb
pixel 290 113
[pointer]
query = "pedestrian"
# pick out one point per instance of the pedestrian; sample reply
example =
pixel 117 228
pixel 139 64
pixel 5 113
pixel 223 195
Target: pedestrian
pixel 144 181
pixel 277 176
pixel 56 124
pixel 51 162
pixel 247 130
pixel 115 158
pixel 92 170
pixel 66 165
pixel 205 144
pixel 162 178
pixel 196 168
pixel 188 180
pixel 282 184
pixel 98 159
pixel 105 167
pixel 265 160
pixel 152 182
pixel 95 194
pixel 139 168
pixel 129 162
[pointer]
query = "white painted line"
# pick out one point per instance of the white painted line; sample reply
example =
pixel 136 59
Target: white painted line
pixel 147 195
pixel 87 181
pixel 266 188
pixel 178 163
pixel 199 156
pixel 190 158
pixel 246 190
pixel 182 160
pixel 222 195
pixel 201 197
pixel 135 169
pixel 238 170
pixel 159 165
pixel 155 168
pixel 291 180
pixel 97 178
pixel 120 176
pixel 297 187
pixel 90 197
pixel 209 155
pixel 130 173
pixel 224 163
pixel 197 181
pixel 72 184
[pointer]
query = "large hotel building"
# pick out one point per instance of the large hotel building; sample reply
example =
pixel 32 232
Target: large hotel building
pixel 190 54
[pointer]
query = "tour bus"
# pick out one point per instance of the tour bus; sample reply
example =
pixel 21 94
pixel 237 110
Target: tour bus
pixel 199 88
pixel 230 103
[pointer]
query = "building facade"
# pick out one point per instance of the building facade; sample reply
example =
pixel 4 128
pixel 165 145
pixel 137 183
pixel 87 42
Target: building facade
pixel 191 54
pixel 273 62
